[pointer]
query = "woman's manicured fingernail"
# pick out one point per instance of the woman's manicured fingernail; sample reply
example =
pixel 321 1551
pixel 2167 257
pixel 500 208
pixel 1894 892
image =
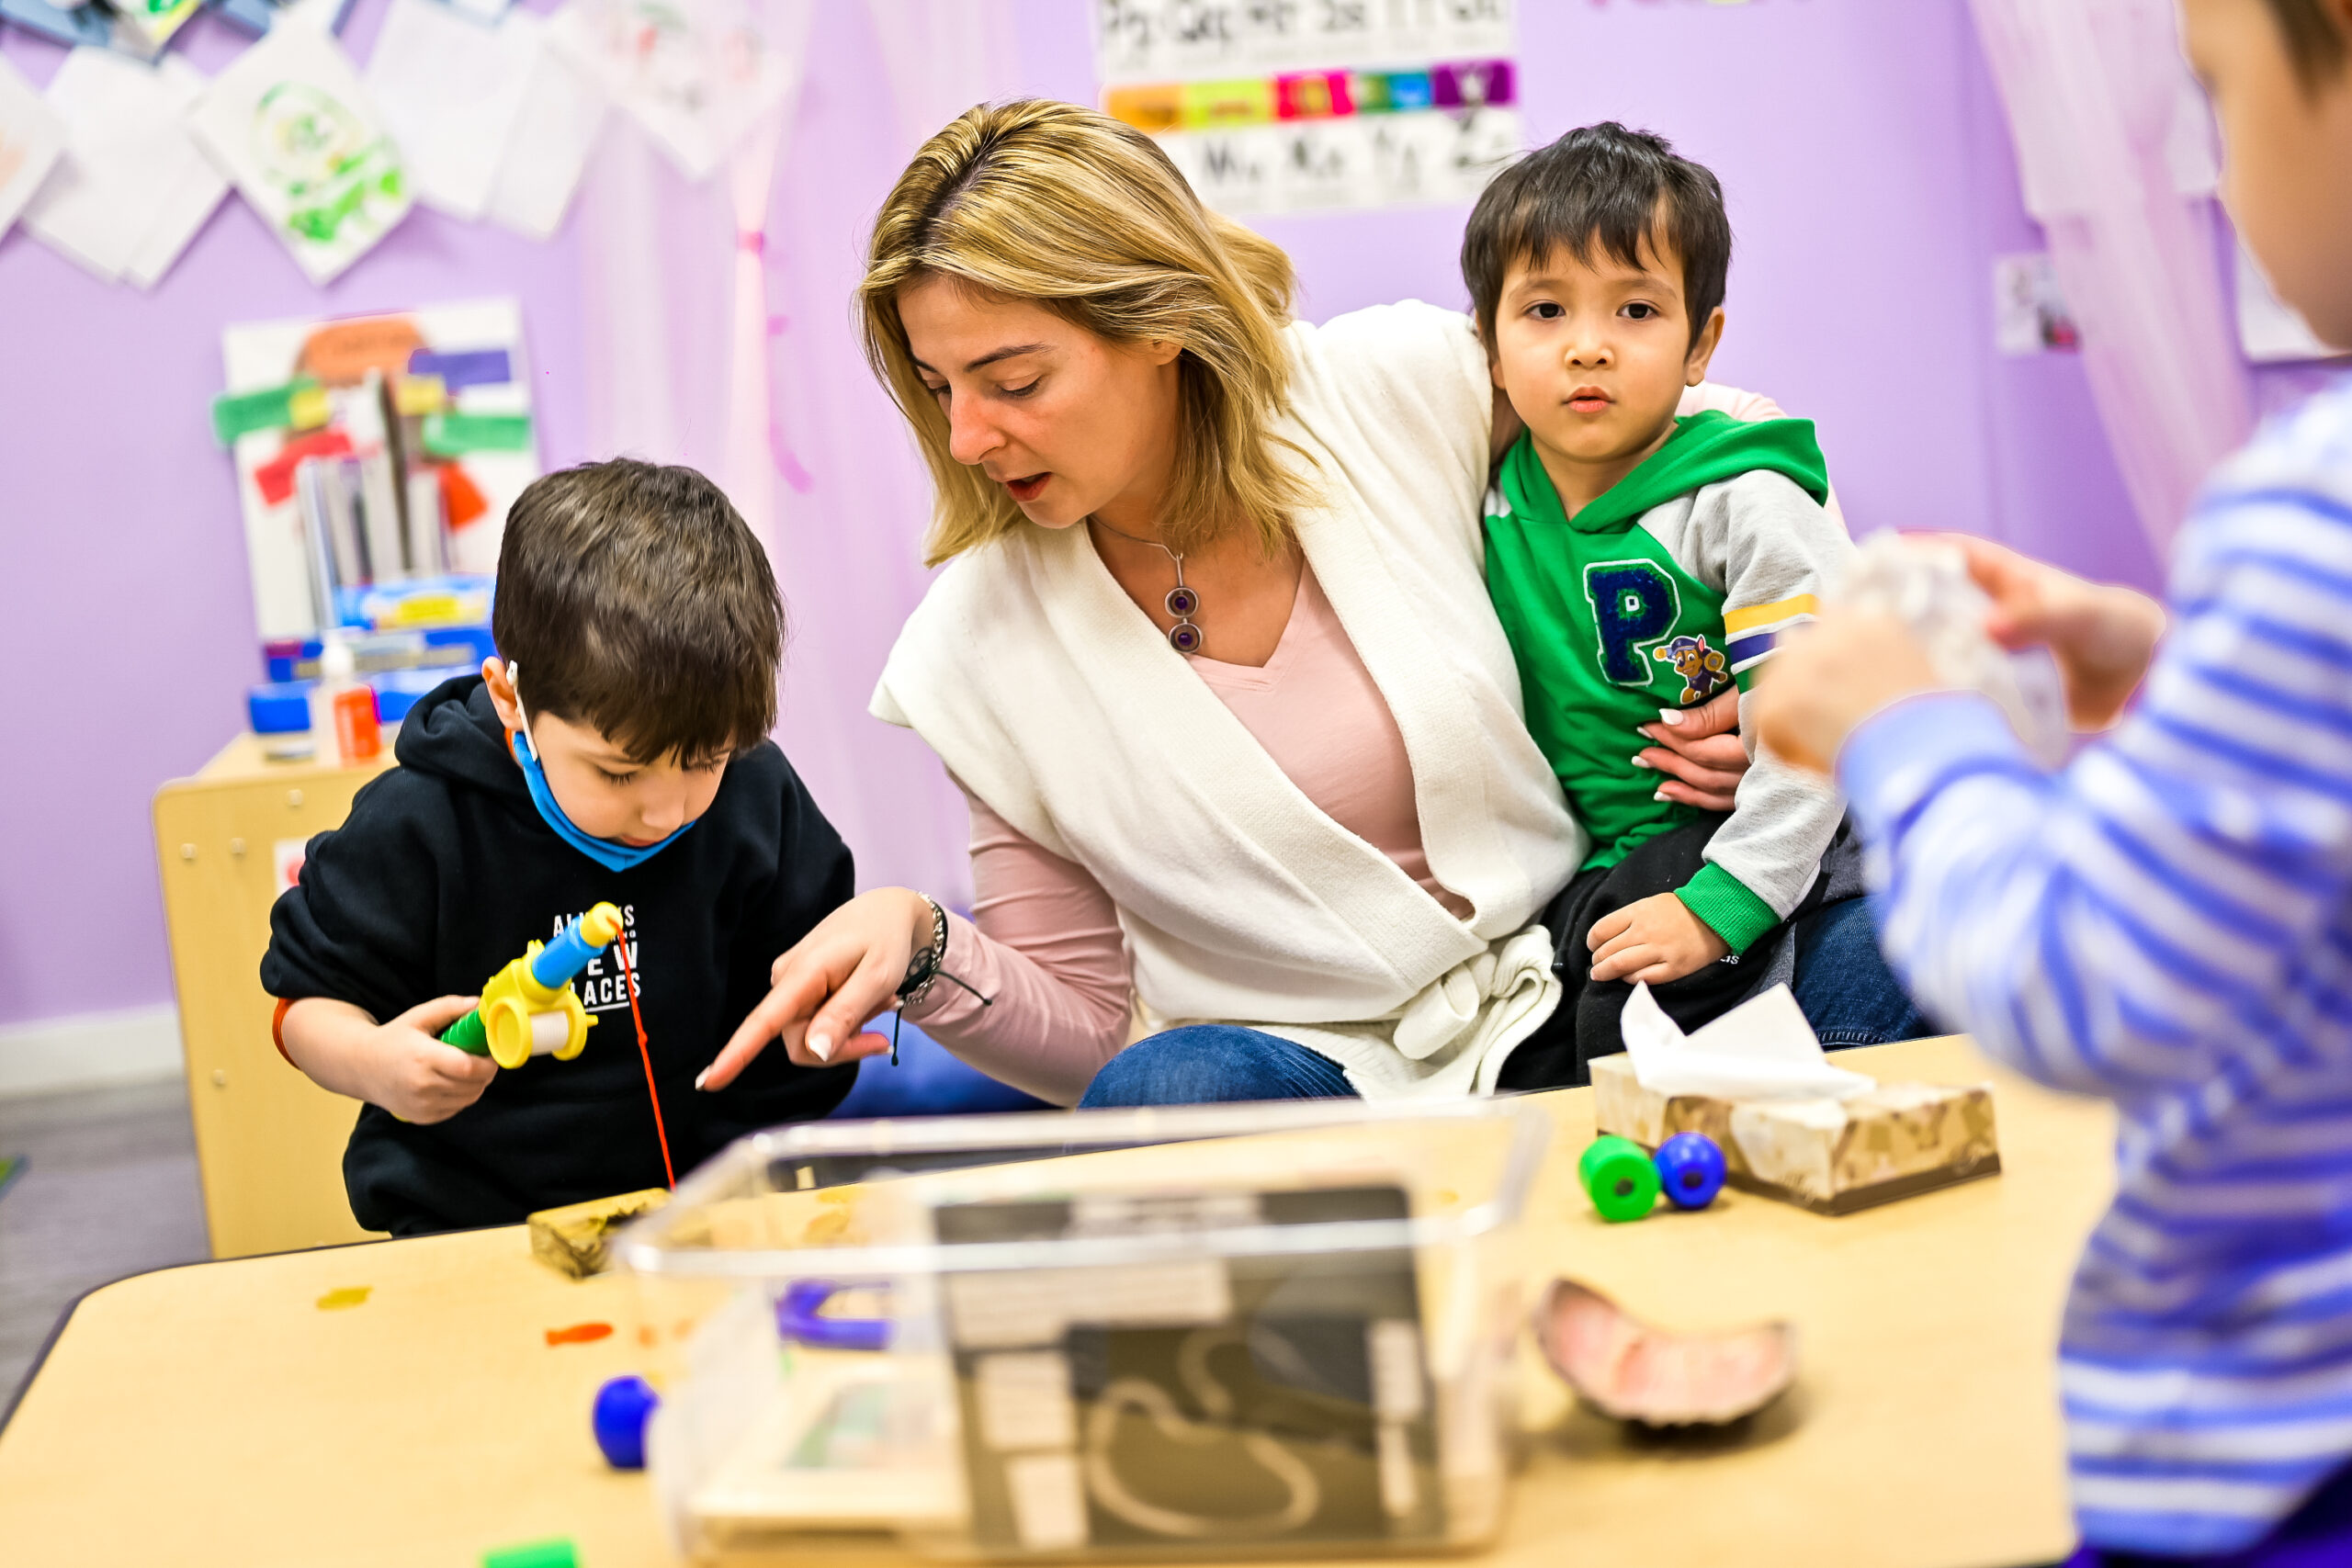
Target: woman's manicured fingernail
pixel 1640 762
pixel 821 1047
pixel 700 1076
pixel 1670 716
pixel 1657 795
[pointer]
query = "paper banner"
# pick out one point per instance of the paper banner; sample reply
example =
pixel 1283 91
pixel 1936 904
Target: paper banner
pixel 1272 108
pixel 698 73
pixel 292 125
pixel 134 187
pixel 563 114
pixel 451 90
pixel 32 139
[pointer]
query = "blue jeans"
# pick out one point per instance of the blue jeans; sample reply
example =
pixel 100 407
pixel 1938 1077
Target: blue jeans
pixel 1211 1061
pixel 1844 986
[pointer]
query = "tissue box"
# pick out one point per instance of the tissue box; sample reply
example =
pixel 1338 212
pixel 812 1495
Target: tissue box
pixel 1832 1157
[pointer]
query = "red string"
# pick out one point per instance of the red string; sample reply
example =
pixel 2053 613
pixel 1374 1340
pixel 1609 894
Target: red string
pixel 621 947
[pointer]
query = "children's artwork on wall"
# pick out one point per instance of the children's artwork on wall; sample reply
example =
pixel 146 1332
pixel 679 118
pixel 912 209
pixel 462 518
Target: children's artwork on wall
pixel 2270 329
pixel 451 89
pixel 32 139
pixel 144 26
pixel 562 114
pixel 697 73
pixel 2030 314
pixel 296 129
pixel 1275 108
pixel 428 414
pixel 133 187
pixel 71 24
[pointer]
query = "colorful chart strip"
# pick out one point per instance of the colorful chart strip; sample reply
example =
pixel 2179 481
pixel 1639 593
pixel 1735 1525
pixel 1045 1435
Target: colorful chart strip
pixel 1457 85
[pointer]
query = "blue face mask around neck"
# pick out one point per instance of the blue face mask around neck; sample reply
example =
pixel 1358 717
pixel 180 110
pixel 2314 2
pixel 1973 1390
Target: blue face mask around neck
pixel 604 852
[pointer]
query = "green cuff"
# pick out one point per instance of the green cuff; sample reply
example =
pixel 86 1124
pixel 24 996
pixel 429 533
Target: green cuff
pixel 1721 899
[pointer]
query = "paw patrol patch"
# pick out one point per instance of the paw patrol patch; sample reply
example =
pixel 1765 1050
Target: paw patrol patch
pixel 1701 667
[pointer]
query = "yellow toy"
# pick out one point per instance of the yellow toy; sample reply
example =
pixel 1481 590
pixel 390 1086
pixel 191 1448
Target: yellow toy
pixel 529 1009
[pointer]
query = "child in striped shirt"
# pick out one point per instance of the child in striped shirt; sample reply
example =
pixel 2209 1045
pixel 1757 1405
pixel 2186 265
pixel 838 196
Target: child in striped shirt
pixel 2169 920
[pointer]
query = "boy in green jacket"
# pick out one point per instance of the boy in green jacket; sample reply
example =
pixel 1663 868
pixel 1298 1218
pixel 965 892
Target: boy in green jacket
pixel 1642 563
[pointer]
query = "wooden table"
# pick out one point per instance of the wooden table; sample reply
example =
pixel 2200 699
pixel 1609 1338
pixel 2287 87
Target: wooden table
pixel 216 1413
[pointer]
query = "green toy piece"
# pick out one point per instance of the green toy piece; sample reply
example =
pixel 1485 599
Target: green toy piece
pixel 1618 1175
pixel 557 1553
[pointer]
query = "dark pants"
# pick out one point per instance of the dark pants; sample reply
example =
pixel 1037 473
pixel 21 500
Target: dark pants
pixel 1585 1023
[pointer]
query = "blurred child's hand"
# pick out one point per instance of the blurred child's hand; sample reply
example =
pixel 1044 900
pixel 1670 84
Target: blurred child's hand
pixel 2103 636
pixel 1656 939
pixel 1699 756
pixel 402 1066
pixel 1828 677
pixel 845 971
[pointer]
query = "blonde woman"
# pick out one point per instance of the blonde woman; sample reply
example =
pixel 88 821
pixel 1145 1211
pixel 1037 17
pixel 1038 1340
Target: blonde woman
pixel 1212 658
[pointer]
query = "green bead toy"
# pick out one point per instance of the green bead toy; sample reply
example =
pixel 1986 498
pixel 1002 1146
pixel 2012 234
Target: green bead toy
pixel 1619 1177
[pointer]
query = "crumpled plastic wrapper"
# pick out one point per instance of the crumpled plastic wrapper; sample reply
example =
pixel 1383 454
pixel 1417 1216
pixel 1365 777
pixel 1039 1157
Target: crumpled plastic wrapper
pixel 1924 584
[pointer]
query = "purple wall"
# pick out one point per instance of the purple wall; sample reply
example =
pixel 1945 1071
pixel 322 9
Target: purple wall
pixel 1860 143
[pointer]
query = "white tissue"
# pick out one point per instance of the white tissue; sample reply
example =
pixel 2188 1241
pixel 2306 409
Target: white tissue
pixel 1763 1049
pixel 1924 584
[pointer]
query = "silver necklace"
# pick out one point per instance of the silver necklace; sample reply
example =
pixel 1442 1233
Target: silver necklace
pixel 1183 602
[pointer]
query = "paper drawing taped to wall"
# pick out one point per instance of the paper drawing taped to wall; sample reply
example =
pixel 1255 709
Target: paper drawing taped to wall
pixel 134 187
pixel 697 73
pixel 296 129
pixel 32 138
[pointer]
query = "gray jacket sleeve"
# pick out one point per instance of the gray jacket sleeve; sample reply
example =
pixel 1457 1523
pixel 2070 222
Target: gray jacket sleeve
pixel 1771 548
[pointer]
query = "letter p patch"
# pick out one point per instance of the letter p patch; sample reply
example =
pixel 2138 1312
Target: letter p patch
pixel 1632 603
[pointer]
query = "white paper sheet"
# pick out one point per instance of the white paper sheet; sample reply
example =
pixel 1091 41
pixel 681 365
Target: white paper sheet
pixel 134 187
pixel 451 88
pixel 32 139
pixel 698 73
pixel 308 148
pixel 563 114
pixel 1762 1049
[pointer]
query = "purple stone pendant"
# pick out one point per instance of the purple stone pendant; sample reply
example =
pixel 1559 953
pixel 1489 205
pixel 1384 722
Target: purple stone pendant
pixel 1183 603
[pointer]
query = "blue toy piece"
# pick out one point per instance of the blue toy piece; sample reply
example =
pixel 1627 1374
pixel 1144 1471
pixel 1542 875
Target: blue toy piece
pixel 624 1405
pixel 799 1316
pixel 1690 1169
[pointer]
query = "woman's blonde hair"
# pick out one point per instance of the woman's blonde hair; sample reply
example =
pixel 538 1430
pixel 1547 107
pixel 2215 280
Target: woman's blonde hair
pixel 1086 216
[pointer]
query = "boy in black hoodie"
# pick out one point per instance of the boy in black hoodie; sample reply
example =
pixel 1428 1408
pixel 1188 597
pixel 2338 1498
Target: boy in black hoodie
pixel 616 751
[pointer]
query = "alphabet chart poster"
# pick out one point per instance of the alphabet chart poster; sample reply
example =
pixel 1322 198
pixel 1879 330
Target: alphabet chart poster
pixel 1287 106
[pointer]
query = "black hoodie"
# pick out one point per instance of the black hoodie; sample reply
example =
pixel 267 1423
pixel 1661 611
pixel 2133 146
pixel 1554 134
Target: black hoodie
pixel 444 870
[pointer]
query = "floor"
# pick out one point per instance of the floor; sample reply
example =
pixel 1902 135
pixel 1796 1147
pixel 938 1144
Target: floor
pixel 109 1189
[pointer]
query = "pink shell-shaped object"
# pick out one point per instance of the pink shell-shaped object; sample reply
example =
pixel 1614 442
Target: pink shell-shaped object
pixel 1624 1368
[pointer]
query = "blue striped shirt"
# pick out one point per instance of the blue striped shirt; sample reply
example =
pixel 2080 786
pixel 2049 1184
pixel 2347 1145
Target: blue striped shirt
pixel 2168 922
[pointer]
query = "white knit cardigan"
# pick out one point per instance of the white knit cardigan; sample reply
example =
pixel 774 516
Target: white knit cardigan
pixel 1055 700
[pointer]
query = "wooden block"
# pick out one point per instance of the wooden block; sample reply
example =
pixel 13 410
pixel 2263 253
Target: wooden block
pixel 570 1240
pixel 1830 1156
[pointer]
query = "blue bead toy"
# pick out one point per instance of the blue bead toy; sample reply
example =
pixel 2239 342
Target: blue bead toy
pixel 624 1405
pixel 1690 1169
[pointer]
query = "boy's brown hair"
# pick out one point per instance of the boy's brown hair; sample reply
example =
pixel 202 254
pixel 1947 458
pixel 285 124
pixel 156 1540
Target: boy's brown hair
pixel 1605 186
pixel 2315 42
pixel 635 600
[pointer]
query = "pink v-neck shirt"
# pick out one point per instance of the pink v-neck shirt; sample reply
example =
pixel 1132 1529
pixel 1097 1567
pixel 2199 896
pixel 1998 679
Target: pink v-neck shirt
pixel 1044 942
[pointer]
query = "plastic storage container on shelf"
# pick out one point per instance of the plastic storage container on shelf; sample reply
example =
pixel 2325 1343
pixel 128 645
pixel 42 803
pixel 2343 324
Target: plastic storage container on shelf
pixel 1216 1331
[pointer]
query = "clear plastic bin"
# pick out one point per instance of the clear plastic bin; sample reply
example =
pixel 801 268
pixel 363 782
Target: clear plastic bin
pixel 1255 1331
